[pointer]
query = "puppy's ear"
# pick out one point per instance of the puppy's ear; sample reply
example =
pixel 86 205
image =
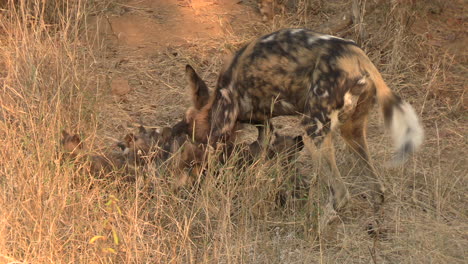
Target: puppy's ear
pixel 129 138
pixel 154 134
pixel 142 130
pixel 71 144
pixel 122 146
pixel 75 139
pixel 166 134
pixel 65 134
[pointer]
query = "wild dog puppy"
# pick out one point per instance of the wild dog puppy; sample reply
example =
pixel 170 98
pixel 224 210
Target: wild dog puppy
pixel 71 144
pixel 286 149
pixel 166 144
pixel 287 146
pixel 103 163
pixel 188 162
pixel 266 9
pixel 284 146
pixel 147 145
pixel 328 81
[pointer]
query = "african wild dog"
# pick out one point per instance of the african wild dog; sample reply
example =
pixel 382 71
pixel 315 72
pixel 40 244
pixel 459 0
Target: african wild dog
pixel 147 145
pixel 200 97
pixel 328 81
pixel 284 146
pixel 187 158
pixel 266 9
pixel 190 161
pixel 99 163
pixel 168 144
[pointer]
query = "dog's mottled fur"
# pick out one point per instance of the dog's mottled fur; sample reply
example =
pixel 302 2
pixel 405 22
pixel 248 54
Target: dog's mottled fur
pixel 328 81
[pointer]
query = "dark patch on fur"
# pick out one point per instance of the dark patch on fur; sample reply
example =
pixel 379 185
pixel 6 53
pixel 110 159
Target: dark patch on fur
pixel 225 77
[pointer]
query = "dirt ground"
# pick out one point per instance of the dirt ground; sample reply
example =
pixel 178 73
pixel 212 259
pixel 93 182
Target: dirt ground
pixel 149 43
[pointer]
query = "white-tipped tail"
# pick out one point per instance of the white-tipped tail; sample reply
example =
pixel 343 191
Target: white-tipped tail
pixel 406 130
pixel 400 118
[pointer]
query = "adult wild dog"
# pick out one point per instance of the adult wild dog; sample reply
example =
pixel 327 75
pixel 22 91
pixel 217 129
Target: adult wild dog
pixel 328 81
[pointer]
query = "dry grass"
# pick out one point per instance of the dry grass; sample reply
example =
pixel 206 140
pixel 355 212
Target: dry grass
pixel 51 211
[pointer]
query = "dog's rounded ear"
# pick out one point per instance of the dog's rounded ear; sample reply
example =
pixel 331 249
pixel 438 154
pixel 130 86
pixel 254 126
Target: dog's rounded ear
pixel 189 69
pixel 166 134
pixel 65 133
pixel 129 138
pixel 142 130
pixel 75 139
pixel 154 134
pixel 199 90
pixel 72 143
pixel 122 146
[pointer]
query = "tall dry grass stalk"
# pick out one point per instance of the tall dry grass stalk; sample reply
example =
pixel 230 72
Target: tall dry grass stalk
pixel 44 84
pixel 55 211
